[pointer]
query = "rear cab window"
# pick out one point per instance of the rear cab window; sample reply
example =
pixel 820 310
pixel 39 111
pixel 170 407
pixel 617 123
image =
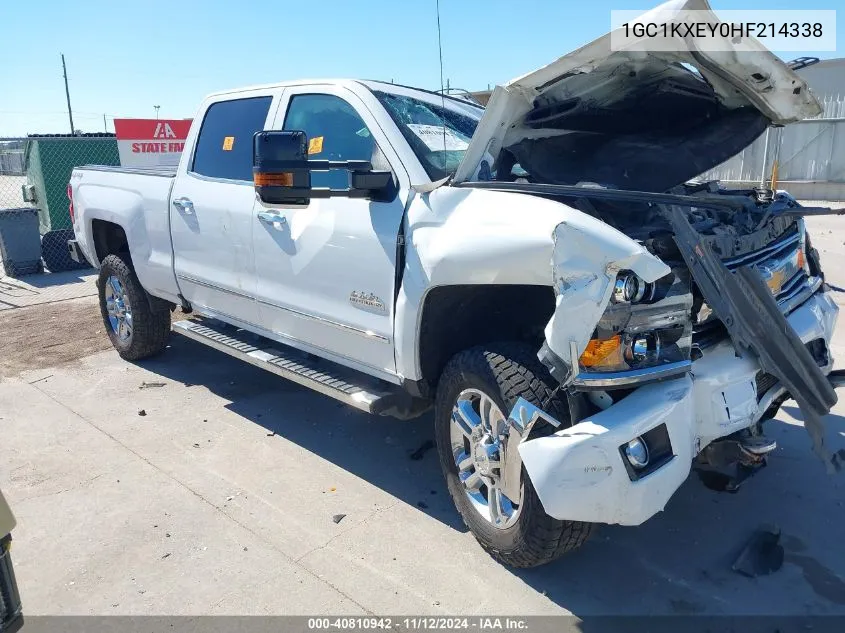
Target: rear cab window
pixel 224 144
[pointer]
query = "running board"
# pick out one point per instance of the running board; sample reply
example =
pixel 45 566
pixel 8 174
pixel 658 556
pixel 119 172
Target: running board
pixel 350 387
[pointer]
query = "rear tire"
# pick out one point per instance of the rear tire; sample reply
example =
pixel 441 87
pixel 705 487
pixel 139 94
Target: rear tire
pixel 135 329
pixel 503 372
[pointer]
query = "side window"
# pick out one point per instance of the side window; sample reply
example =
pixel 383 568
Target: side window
pixel 224 145
pixel 335 132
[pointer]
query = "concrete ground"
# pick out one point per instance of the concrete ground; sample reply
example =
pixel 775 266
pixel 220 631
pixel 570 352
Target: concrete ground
pixel 195 484
pixel 31 290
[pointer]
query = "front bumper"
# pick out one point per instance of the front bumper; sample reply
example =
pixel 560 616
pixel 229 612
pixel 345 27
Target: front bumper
pixel 580 473
pixel 11 615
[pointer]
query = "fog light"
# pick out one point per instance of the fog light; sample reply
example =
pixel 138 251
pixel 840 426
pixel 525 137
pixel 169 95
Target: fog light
pixel 637 453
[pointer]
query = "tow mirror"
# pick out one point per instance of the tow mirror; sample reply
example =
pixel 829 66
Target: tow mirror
pixel 282 172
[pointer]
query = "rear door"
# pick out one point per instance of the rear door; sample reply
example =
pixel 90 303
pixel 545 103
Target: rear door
pixel 211 213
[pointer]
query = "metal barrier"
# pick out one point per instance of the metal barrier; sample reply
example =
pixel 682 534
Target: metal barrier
pixel 34 214
pixel 807 157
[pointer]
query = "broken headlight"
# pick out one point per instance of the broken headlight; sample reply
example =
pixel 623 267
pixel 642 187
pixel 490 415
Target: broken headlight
pixel 645 326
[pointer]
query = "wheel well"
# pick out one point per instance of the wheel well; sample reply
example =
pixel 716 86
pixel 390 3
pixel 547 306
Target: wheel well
pixel 108 238
pixel 455 318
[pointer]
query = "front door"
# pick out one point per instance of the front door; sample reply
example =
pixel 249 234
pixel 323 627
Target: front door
pixel 212 210
pixel 326 270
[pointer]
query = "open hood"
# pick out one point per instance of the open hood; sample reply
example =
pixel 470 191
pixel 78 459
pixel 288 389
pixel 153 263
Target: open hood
pixel 636 119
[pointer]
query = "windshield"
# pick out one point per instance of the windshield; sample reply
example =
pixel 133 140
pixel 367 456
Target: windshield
pixel 439 136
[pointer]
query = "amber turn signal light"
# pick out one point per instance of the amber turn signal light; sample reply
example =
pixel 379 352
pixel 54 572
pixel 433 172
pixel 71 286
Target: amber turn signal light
pixel 599 349
pixel 282 179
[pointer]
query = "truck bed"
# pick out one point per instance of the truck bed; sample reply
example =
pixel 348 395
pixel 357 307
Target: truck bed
pixel 135 202
pixel 167 171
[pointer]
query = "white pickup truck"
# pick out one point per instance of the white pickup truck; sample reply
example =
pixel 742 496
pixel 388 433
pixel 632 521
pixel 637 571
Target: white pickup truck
pixel 587 323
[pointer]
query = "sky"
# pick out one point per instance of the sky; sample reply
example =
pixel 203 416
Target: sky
pixel 123 57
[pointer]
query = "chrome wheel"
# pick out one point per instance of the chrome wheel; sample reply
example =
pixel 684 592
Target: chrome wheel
pixel 478 440
pixel 118 308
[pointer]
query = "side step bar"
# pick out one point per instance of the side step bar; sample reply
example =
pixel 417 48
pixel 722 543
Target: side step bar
pixel 350 387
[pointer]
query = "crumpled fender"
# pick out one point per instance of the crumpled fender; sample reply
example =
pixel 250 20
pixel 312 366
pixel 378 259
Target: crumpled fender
pixel 584 265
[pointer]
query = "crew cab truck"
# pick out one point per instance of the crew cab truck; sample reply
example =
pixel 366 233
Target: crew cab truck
pixel 587 323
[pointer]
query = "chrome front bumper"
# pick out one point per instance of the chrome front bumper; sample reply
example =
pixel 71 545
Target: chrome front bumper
pixel 580 472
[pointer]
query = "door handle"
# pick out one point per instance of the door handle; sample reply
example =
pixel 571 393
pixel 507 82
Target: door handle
pixel 272 218
pixel 184 205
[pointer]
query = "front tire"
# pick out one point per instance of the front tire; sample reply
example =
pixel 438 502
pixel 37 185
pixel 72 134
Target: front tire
pixel 135 329
pixel 477 390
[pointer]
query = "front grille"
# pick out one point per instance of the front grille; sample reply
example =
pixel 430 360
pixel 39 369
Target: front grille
pixel 818 350
pixel 779 266
pixel 782 247
pixel 764 383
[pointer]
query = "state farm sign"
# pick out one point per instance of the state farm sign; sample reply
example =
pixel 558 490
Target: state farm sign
pixel 150 142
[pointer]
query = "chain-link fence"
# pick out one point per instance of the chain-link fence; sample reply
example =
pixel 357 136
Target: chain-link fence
pixel 35 222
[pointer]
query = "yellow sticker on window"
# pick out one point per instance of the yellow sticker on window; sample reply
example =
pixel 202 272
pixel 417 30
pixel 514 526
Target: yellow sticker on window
pixel 228 143
pixel 315 145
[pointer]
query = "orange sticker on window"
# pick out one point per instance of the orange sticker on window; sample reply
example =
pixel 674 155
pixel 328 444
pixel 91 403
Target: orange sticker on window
pixel 315 145
pixel 228 143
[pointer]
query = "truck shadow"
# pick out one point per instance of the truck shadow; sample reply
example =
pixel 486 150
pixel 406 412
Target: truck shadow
pixel 397 456
pixel 678 563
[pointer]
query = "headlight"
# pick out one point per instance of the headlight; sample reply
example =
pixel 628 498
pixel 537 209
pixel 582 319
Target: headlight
pixel 629 288
pixel 645 326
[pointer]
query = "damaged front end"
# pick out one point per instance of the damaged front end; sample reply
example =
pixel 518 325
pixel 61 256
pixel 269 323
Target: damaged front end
pixel 694 311
pixel 682 335
pixel 643 333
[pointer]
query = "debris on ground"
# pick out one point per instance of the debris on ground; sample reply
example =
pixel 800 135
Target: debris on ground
pixel 422 504
pixel 165 556
pixel 142 412
pixel 150 385
pixel 422 450
pixel 337 518
pixel 196 445
pixel 762 555
pixel 229 498
pixel 271 434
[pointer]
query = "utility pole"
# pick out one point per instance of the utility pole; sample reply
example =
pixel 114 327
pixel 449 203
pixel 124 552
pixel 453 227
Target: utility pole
pixel 105 125
pixel 67 94
pixel 156 107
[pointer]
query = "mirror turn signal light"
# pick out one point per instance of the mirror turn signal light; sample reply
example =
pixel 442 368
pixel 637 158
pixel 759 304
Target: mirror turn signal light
pixel 282 179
